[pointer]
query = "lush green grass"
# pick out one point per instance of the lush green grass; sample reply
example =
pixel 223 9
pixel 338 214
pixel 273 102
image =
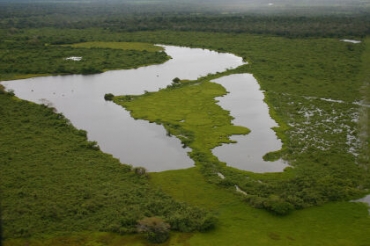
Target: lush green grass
pixel 200 123
pixel 341 223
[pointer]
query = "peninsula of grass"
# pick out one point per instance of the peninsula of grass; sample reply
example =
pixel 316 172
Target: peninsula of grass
pixel 199 122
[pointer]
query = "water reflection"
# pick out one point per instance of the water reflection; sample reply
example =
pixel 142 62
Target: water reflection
pixel 81 99
pixel 246 105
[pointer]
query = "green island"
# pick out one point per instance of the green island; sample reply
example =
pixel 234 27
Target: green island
pixel 58 188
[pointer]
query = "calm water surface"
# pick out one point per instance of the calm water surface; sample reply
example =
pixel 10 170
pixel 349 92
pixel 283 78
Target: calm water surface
pixel 81 99
pixel 246 105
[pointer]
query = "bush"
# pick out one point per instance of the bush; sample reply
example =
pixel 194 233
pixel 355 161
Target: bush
pixel 155 229
pixel 176 80
pixel 192 219
pixel 108 97
pixel 278 206
pixel 140 171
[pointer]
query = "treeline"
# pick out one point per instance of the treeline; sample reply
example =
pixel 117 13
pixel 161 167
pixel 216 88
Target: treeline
pixel 300 22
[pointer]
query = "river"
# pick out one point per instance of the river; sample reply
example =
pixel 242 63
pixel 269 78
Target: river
pixel 139 143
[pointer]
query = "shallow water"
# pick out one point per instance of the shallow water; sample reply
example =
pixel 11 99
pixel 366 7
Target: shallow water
pixel 351 41
pixel 365 199
pixel 246 105
pixel 81 99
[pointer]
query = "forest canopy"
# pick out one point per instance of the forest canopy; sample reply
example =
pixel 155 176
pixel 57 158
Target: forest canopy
pixel 286 18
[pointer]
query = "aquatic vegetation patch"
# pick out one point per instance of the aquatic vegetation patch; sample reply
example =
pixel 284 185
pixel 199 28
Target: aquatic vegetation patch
pixel 320 124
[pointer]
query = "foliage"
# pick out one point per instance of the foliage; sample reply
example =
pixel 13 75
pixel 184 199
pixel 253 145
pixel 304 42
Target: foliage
pixel 33 55
pixel 108 97
pixel 140 171
pixel 155 229
pixel 327 224
pixel 119 45
pixel 291 19
pixel 55 181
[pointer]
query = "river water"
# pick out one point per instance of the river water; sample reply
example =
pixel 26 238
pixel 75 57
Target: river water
pixel 246 105
pixel 81 99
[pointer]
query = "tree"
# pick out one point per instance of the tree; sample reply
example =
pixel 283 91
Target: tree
pixel 176 80
pixel 108 97
pixel 156 230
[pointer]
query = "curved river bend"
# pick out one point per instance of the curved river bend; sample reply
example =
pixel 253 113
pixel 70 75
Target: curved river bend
pixel 81 99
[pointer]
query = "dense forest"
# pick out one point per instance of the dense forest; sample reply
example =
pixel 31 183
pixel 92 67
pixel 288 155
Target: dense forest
pixel 291 20
pixel 58 188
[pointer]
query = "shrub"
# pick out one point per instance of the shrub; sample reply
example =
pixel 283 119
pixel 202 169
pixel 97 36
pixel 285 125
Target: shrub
pixel 176 80
pixel 108 97
pixel 140 171
pixel 192 219
pixel 155 229
pixel 11 93
pixel 278 206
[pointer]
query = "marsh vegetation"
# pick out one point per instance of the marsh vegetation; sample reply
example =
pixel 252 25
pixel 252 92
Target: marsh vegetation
pixel 58 188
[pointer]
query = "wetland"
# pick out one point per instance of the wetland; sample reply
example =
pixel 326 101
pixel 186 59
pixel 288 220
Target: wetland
pixel 59 188
pixel 80 99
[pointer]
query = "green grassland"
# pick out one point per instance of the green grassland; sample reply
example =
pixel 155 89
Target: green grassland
pixel 340 223
pixel 199 123
pixel 59 189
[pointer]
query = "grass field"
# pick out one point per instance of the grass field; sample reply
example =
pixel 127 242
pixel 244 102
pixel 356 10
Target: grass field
pixel 341 223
